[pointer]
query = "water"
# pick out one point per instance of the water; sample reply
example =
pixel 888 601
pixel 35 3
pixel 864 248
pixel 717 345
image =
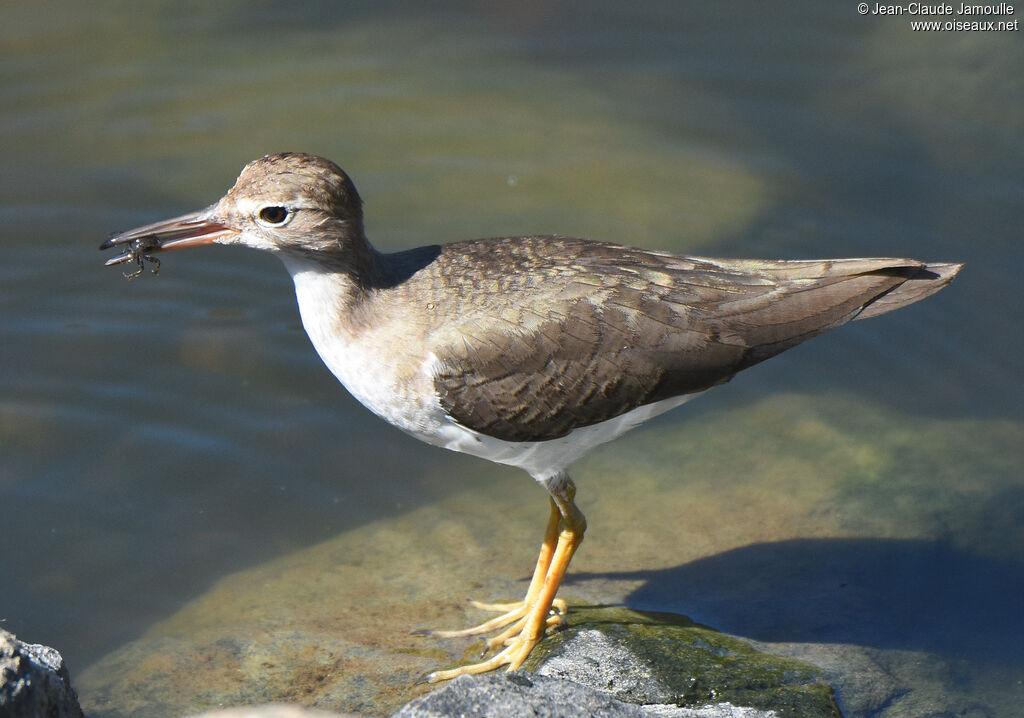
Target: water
pixel 158 435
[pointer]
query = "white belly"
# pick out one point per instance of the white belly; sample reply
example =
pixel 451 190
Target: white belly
pixel 544 459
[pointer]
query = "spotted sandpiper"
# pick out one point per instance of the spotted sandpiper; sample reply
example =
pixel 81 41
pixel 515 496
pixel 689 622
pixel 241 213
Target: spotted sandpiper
pixel 527 351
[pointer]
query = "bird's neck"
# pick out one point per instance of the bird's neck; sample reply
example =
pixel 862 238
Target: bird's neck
pixel 346 260
pixel 337 282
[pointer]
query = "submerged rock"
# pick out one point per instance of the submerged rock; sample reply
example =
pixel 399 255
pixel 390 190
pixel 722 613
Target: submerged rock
pixel 764 523
pixel 34 681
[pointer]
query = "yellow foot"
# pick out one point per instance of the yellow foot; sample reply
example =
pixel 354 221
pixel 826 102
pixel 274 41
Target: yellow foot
pixel 511 613
pixel 558 605
pixel 524 623
pixel 515 652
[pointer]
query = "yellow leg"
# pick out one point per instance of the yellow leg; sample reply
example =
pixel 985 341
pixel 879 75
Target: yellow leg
pixel 526 622
pixel 516 610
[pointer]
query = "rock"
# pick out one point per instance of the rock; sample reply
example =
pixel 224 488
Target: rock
pixel 621 663
pixel 34 681
pixel 496 695
pixel 272 710
pixel 499 695
pixel 656 658
pixel 874 682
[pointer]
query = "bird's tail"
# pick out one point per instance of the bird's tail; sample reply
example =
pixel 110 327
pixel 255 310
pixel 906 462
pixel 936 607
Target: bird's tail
pixel 804 298
pixel 922 280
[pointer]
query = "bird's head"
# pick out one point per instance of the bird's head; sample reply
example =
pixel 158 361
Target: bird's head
pixel 289 202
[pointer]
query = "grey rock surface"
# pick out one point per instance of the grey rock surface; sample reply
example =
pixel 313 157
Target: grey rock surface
pixel 498 695
pixel 617 662
pixel 504 695
pixel 272 710
pixel 595 659
pixel 650 658
pixel 34 681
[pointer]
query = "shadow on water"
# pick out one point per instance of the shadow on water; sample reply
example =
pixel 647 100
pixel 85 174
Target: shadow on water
pixel 882 593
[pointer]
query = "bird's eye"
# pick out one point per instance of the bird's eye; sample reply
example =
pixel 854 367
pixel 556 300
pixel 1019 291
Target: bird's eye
pixel 275 214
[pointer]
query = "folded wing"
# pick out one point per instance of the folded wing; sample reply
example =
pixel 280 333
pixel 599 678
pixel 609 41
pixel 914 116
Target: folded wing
pixel 649 326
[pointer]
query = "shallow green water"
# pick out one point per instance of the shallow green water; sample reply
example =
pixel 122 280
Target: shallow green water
pixel 158 435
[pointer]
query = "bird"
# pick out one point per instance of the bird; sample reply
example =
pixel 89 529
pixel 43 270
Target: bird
pixel 527 351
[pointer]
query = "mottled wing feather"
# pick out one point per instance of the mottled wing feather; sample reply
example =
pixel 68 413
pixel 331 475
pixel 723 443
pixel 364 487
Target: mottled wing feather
pixel 618 328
